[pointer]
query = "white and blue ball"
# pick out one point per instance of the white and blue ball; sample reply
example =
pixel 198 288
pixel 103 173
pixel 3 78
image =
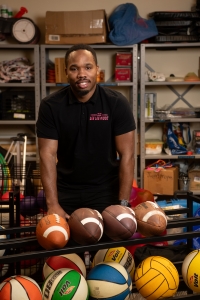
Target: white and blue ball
pixel 109 280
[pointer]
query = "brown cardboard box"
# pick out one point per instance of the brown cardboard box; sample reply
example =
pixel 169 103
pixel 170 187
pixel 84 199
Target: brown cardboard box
pixel 164 182
pixel 194 176
pixel 74 27
pixel 60 74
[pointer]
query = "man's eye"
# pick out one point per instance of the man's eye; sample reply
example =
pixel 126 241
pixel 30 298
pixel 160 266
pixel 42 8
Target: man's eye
pixel 73 69
pixel 88 68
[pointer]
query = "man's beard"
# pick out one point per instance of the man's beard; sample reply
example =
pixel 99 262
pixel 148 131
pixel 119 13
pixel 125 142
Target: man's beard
pixel 82 92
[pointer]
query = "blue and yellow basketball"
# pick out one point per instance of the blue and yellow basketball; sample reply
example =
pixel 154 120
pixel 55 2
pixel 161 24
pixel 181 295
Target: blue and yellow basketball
pixel 156 277
pixel 119 255
pixel 109 280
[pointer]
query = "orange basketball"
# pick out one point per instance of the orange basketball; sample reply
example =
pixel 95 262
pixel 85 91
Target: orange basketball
pixel 52 232
pixel 24 287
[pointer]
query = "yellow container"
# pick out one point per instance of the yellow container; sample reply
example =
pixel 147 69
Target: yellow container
pixel 153 146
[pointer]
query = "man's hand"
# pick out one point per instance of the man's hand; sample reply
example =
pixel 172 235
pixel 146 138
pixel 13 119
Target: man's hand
pixel 57 209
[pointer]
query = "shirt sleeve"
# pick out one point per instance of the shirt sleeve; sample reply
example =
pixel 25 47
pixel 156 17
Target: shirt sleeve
pixel 45 126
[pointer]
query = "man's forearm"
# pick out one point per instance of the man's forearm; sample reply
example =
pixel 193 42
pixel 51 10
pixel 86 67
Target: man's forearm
pixel 49 178
pixel 126 171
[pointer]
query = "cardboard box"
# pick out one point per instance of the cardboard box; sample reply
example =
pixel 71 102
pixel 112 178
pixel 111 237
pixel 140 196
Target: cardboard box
pixel 60 74
pixel 164 182
pixel 123 74
pixel 74 27
pixel 123 59
pixel 194 176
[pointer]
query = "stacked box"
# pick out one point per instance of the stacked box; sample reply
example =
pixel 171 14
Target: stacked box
pixel 123 66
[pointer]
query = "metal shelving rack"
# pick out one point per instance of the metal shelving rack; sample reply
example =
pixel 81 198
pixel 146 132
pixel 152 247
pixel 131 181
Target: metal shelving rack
pixel 47 50
pixel 23 50
pixel 145 123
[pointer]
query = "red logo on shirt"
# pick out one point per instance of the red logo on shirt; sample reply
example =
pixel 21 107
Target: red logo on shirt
pixel 99 117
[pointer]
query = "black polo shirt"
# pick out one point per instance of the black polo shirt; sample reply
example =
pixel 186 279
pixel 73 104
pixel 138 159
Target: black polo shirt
pixel 85 133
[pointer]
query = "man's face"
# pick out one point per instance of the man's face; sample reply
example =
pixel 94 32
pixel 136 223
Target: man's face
pixel 82 71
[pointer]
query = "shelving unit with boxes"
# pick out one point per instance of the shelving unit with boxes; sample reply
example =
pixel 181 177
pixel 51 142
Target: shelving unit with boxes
pixel 178 59
pixel 106 55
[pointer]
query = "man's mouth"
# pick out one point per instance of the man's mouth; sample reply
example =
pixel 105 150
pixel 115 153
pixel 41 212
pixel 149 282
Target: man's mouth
pixel 82 84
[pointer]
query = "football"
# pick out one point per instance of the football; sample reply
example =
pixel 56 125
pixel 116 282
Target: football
pixel 119 222
pixel 86 226
pixel 151 219
pixel 52 232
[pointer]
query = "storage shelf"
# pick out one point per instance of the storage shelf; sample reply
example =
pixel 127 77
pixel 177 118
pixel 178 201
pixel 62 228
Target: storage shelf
pixel 184 120
pixel 152 83
pixel 152 55
pixel 166 156
pixel 31 51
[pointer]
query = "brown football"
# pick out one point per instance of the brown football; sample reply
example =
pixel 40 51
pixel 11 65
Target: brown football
pixel 151 219
pixel 52 232
pixel 86 226
pixel 119 222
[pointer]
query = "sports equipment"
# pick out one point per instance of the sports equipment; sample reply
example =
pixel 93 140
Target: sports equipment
pixel 24 287
pixel 52 232
pixel 65 282
pixel 109 280
pixel 71 261
pixel 2 237
pixel 151 219
pixel 29 206
pixel 86 226
pixel 119 255
pixel 191 271
pixel 41 200
pixel 156 277
pixel 119 222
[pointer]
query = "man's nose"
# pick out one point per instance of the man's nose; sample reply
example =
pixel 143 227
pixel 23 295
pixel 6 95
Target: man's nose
pixel 81 72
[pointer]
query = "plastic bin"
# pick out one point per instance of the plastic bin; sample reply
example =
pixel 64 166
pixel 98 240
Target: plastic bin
pixel 153 146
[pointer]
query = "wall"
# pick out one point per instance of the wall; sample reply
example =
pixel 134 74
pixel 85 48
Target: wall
pixel 37 9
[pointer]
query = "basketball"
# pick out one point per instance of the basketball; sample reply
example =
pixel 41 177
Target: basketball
pixel 71 261
pixel 191 270
pixel 119 222
pixel 20 287
pixel 65 283
pixel 86 226
pixel 156 277
pixel 109 280
pixel 119 255
pixel 52 232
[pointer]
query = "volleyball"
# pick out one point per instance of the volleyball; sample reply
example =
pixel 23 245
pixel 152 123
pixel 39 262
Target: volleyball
pixel 109 280
pixel 66 283
pixel 119 255
pixel 71 261
pixel 156 277
pixel 20 287
pixel 191 270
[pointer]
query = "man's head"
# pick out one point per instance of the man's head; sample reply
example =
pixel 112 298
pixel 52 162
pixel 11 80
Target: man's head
pixel 81 70
pixel 80 47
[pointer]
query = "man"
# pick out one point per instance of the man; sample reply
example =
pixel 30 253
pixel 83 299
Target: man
pixel 80 130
